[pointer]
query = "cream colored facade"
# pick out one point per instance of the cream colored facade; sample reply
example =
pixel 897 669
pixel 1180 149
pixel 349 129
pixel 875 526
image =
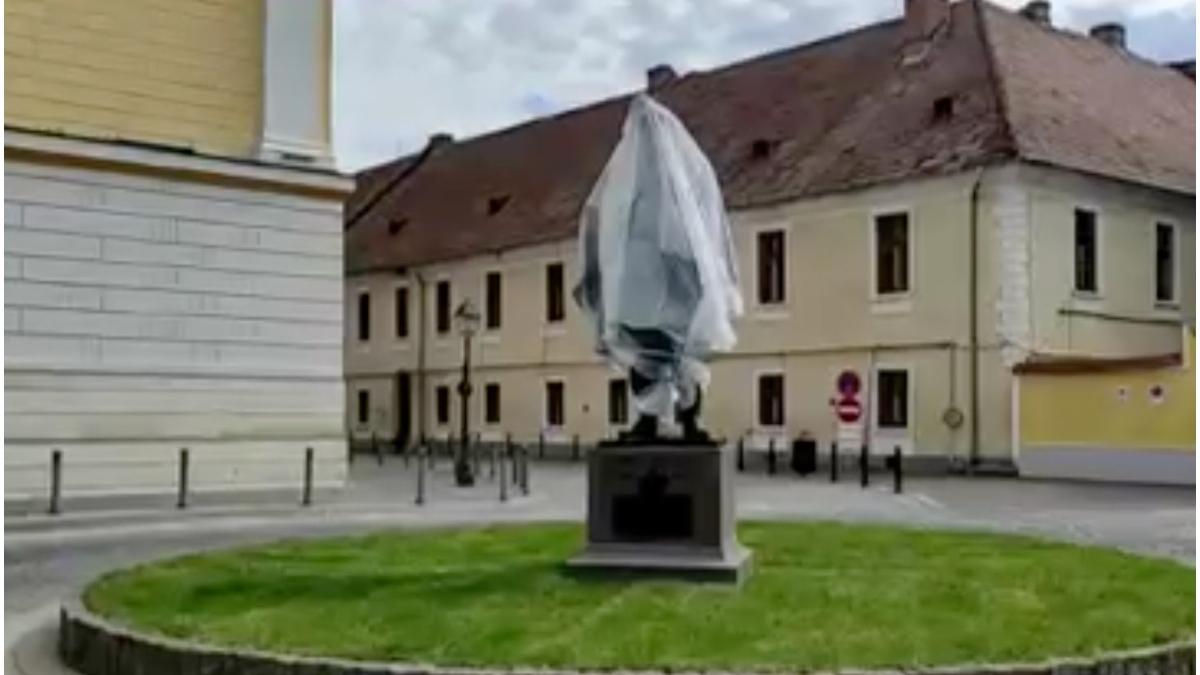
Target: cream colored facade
pixel 831 320
pixel 173 268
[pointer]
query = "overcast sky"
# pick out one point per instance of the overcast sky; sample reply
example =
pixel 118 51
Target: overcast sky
pixel 404 69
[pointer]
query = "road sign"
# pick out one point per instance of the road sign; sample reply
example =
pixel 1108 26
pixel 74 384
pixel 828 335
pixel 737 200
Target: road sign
pixel 848 383
pixel 849 410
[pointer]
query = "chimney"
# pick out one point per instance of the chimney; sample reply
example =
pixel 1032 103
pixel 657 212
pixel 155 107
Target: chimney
pixel 658 76
pixel 1037 11
pixel 923 17
pixel 440 139
pixel 1111 34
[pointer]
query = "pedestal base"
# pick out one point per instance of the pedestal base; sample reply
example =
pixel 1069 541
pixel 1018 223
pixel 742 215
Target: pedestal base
pixel 664 509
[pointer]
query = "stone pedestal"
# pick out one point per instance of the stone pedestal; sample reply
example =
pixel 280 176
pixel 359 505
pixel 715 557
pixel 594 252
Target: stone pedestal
pixel 663 509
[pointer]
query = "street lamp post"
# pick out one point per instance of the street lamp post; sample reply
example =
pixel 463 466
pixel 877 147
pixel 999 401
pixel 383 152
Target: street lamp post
pixel 467 319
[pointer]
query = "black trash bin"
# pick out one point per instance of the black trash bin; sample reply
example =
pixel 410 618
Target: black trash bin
pixel 804 456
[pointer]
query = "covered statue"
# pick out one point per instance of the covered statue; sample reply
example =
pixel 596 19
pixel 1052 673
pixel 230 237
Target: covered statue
pixel 659 275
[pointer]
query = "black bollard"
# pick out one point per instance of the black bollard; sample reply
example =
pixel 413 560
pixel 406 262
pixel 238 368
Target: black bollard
pixel 897 471
pixel 306 497
pixel 864 476
pixel 55 480
pixel 524 471
pixel 771 457
pixel 181 502
pixel 741 455
pixel 503 477
pixel 541 445
pixel 833 462
pixel 377 448
pixel 575 448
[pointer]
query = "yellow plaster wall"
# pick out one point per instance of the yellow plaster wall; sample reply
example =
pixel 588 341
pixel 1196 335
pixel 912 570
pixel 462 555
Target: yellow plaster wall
pixel 178 73
pixel 1085 409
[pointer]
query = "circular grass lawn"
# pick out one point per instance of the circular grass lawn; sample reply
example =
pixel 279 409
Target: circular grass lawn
pixel 822 596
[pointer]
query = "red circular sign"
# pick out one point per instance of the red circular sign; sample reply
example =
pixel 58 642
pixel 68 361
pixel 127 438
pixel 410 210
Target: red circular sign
pixel 848 410
pixel 848 383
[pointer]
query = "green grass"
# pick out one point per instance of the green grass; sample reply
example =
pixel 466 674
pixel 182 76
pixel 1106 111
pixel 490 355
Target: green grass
pixel 822 595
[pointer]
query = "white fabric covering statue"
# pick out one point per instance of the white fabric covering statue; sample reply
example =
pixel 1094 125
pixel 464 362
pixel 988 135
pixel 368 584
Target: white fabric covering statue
pixel 659 274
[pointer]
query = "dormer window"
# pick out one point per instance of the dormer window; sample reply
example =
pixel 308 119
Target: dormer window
pixel 396 224
pixel 762 148
pixel 497 203
pixel 943 108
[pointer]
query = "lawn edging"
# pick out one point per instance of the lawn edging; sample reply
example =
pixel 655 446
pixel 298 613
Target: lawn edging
pixel 94 645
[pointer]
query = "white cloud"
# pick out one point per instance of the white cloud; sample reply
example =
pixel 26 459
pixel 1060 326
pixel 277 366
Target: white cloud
pixel 404 70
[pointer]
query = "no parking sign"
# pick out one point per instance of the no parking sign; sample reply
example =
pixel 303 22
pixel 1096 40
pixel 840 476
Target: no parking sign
pixel 848 409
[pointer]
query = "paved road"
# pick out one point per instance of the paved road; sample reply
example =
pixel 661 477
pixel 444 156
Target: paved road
pixel 47 558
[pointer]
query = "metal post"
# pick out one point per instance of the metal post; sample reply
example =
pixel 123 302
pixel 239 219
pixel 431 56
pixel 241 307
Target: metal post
pixel 55 480
pixel 475 455
pixel 771 457
pixel 741 454
pixel 492 458
pixel 181 502
pixel 541 445
pixel 575 448
pixel 833 462
pixel 377 447
pixel 897 472
pixel 422 454
pixel 864 476
pixel 306 499
pixel 504 478
pixel 524 471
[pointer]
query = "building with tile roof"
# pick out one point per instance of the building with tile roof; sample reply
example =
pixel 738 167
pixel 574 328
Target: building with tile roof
pixel 928 201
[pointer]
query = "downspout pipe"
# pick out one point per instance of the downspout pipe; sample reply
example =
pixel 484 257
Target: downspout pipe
pixel 973 318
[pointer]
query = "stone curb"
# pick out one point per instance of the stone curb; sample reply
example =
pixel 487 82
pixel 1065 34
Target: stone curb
pixel 95 646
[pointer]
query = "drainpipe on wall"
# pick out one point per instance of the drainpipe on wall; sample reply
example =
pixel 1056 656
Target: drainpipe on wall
pixel 973 314
pixel 419 394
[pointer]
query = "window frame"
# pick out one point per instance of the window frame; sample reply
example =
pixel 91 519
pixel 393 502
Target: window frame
pixel 780 306
pixel 627 393
pixel 759 376
pixel 483 414
pixel 896 299
pixel 438 422
pixel 1176 266
pixel 876 403
pixel 1098 245
pixel 546 425
pixel 437 309
pixel 546 302
pixel 362 323
pixel 397 290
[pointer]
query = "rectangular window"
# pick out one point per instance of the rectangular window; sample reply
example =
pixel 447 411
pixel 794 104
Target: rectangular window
pixel 491 403
pixel 770 400
pixel 492 306
pixel 618 402
pixel 442 395
pixel 555 406
pixel 555 301
pixel 442 302
pixel 1086 277
pixel 892 402
pixel 402 312
pixel 364 317
pixel 1164 262
pixel 891 254
pixel 364 406
pixel 771 271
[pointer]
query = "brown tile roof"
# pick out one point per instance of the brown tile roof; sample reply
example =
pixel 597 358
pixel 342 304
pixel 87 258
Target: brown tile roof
pixel 838 114
pixel 1081 365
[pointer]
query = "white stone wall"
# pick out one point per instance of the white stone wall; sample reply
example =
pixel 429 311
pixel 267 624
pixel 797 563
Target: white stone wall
pixel 144 314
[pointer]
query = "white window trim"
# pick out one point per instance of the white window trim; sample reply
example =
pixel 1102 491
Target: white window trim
pixel 443 426
pixel 774 310
pixel 441 339
pixel 402 342
pixel 1173 303
pixel 629 407
pixel 891 303
pixel 490 335
pixel 483 420
pixel 765 430
pixel 910 391
pixel 553 432
pixel 359 292
pixel 553 328
pixel 1097 294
